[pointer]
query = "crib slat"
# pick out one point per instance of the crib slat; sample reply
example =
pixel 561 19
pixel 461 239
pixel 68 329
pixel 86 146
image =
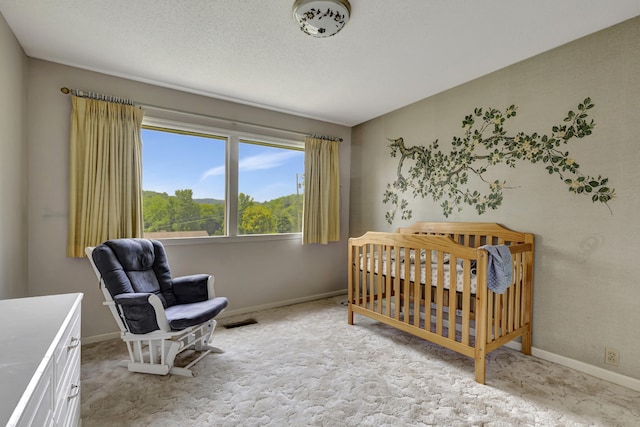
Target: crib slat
pixel 353 276
pixel 417 283
pixel 453 282
pixel 366 274
pixel 365 277
pixel 504 301
pixel 527 289
pixel 525 282
pixel 440 293
pixel 377 288
pixel 366 297
pixel 375 277
pixel 505 306
pixel 496 316
pixel 397 284
pixel 506 309
pixel 497 303
pixel 406 305
pixel 490 315
pixel 512 308
pixel 354 284
pixel 518 293
pixel 428 290
pixel 466 302
pixel 528 296
pixel 387 291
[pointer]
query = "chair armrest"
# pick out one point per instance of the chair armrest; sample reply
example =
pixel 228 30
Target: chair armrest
pixel 142 312
pixel 132 299
pixel 193 288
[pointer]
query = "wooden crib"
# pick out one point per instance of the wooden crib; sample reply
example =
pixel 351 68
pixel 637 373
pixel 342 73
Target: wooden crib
pixel 430 280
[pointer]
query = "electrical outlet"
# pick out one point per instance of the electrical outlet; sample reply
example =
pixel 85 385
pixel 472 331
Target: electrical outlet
pixel 611 356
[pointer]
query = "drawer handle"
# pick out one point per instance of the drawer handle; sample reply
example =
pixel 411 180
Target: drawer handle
pixel 73 343
pixel 75 391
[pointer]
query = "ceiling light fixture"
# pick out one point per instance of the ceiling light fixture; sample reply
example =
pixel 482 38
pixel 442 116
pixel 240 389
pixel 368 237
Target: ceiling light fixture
pixel 321 18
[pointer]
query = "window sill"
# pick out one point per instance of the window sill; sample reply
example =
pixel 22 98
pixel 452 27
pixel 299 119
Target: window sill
pixel 214 240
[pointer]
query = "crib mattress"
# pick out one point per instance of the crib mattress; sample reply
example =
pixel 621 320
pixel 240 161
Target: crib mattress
pixel 424 266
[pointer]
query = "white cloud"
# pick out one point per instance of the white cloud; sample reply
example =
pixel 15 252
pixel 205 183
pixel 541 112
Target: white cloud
pixel 258 162
pixel 217 171
pixel 266 161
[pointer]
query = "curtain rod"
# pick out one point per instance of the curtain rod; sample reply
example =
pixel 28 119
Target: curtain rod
pixel 109 98
pixel 98 96
pixel 326 138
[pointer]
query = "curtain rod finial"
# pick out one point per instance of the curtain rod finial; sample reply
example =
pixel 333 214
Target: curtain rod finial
pixel 65 90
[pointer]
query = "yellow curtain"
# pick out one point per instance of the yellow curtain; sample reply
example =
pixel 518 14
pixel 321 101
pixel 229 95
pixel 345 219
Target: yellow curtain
pixel 321 222
pixel 105 173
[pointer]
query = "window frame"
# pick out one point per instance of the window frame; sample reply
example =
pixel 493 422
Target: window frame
pixel 264 136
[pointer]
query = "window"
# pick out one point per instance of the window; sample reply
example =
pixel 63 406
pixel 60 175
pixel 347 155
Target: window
pixel 200 182
pixel 269 188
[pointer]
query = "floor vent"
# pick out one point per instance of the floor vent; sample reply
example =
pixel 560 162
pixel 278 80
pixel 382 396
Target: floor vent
pixel 240 323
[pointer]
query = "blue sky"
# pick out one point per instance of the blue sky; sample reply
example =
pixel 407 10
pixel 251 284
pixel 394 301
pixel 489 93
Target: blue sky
pixel 176 162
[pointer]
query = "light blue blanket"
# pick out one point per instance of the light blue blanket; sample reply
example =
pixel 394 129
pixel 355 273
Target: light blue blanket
pixel 499 268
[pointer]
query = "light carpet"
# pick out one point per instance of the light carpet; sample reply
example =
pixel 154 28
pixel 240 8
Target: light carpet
pixel 303 365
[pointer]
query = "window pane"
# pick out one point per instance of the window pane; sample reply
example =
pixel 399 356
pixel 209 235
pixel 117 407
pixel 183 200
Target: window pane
pixel 270 188
pixel 183 181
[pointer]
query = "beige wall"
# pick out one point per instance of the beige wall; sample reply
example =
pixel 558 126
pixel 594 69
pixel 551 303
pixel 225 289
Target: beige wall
pixel 250 274
pixel 587 286
pixel 13 166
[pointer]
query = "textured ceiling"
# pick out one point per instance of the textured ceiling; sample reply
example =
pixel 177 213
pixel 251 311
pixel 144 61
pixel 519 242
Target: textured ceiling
pixel 390 54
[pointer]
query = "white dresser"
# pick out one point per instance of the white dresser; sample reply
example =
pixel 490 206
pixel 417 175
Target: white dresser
pixel 40 361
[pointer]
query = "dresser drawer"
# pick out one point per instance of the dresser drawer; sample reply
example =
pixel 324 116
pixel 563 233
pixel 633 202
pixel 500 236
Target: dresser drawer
pixel 68 397
pixel 67 371
pixel 72 417
pixel 68 349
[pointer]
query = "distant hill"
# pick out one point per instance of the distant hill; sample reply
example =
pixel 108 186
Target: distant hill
pixel 209 201
pixel 149 194
pixel 285 200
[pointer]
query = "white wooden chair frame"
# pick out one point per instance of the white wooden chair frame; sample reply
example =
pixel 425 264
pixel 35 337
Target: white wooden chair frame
pixel 155 352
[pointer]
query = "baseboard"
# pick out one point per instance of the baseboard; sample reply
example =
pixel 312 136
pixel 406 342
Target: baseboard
pixel 99 338
pixel 277 304
pixel 585 368
pixel 230 313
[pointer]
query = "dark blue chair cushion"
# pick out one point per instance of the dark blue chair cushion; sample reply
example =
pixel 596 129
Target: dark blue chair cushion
pixel 182 316
pixel 193 288
pixel 137 313
pixel 135 265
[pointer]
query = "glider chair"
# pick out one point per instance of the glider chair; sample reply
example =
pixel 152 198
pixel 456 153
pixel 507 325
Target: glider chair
pixel 159 316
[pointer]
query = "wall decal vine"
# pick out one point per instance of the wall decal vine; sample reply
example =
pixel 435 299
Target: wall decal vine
pixel 445 177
